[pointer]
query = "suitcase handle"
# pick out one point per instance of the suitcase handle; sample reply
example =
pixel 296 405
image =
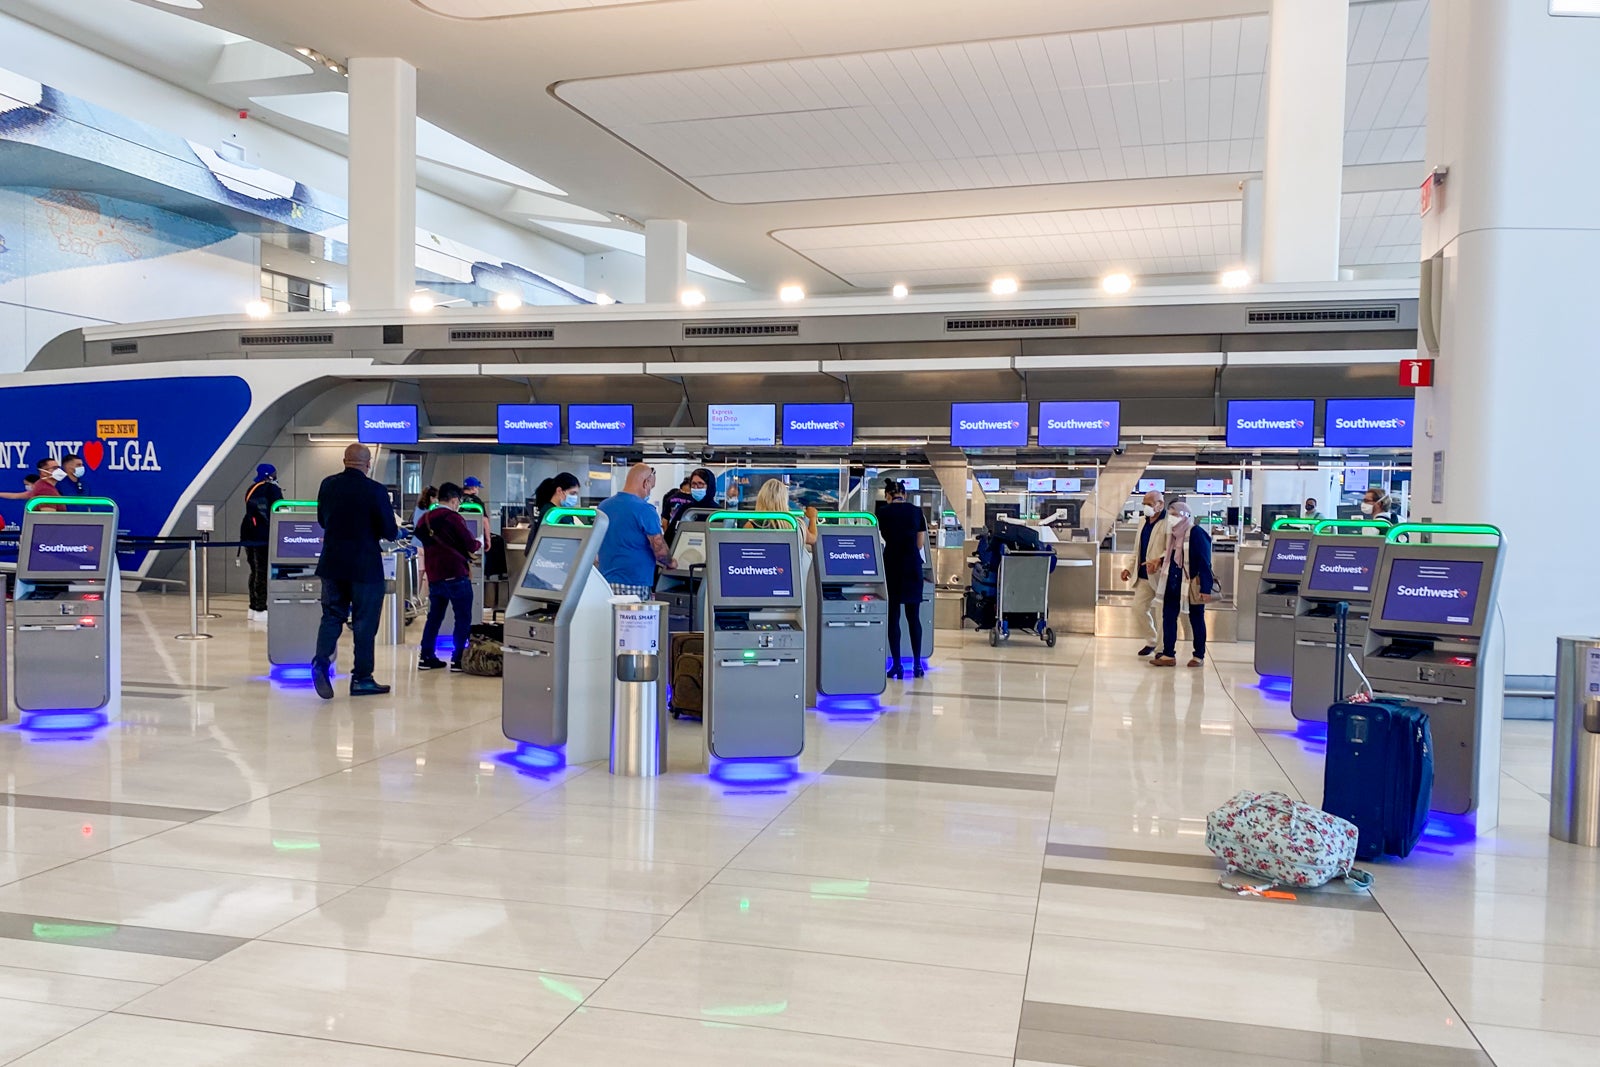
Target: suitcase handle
pixel 1341 647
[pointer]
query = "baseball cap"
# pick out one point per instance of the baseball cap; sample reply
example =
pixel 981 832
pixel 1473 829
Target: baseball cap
pixel 265 470
pixel 471 482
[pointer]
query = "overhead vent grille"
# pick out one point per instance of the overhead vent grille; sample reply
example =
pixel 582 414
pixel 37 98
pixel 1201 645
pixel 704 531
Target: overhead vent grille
pixel 259 340
pixel 1013 322
pixel 1348 313
pixel 522 333
pixel 742 329
pixel 124 348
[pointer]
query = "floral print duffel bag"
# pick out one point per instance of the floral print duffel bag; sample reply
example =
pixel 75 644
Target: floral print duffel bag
pixel 1271 835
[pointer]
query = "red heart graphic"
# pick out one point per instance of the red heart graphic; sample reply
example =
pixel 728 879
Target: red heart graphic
pixel 93 453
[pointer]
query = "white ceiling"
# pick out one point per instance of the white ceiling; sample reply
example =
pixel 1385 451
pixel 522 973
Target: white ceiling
pixel 492 9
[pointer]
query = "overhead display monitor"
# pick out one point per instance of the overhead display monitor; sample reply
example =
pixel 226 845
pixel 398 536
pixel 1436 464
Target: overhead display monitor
pixel 1344 568
pixel 989 485
pixel 1041 485
pixel 65 548
pixel 1436 591
pixel 1080 423
pixel 1382 423
pixel 1271 423
pixel 1211 486
pixel 1288 559
pixel 386 424
pixel 828 425
pixel 551 566
pixel 599 424
pixel 1069 485
pixel 1152 485
pixel 852 555
pixel 755 570
pixel 998 425
pixel 741 424
pixel 530 424
pixel 298 539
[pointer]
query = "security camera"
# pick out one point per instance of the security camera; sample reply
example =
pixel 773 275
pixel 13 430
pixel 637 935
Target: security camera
pixel 1117 450
pixel 671 447
pixel 706 454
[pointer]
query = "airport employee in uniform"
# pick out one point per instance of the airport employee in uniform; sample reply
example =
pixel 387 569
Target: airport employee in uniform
pixel 634 543
pixel 356 517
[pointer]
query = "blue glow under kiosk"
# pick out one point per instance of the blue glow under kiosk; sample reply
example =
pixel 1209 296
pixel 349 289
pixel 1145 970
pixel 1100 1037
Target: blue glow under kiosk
pixel 68 613
pixel 1429 642
pixel 847 614
pixel 1341 565
pixel 294 592
pixel 755 638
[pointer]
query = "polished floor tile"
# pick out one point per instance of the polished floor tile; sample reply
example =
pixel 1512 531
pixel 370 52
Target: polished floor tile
pixel 25 1026
pixel 1537 1048
pixel 312 856
pixel 619 833
pixel 845 856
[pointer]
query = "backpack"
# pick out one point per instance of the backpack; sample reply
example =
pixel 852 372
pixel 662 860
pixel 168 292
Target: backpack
pixel 688 674
pixel 1270 835
pixel 483 655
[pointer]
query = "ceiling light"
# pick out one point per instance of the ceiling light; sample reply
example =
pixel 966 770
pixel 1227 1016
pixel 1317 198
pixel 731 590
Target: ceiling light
pixel 342 307
pixel 1235 279
pixel 422 303
pixel 190 5
pixel 303 50
pixel 900 292
pixel 1003 286
pixel 691 298
pixel 1116 284
pixel 791 294
pixel 258 309
pixel 507 301
pixel 602 299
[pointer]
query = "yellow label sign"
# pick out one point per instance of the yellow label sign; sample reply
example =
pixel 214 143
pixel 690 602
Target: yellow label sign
pixel 116 428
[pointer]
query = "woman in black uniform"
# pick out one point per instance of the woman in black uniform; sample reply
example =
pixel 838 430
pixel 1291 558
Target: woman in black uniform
pixel 905 537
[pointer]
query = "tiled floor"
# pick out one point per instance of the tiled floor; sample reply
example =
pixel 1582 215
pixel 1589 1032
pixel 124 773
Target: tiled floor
pixel 1005 865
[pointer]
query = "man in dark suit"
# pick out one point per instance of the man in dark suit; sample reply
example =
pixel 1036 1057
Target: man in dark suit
pixel 356 516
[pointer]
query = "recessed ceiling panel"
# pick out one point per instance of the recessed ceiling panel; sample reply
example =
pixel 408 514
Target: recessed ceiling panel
pixel 1386 87
pixel 1380 227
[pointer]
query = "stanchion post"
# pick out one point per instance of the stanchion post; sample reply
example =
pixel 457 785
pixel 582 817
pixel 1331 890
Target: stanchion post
pixel 205 577
pixel 195 633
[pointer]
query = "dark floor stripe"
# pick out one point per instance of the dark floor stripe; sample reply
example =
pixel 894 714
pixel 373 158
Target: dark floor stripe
pixel 1000 697
pixel 141 694
pixel 114 937
pixel 1178 887
pixel 127 682
pixel 911 772
pixel 1100 1037
pixel 1130 855
pixel 102 807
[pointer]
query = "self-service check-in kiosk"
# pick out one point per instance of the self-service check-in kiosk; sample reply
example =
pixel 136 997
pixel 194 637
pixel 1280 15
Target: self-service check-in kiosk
pixel 478 522
pixel 68 609
pixel 1429 643
pixel 755 637
pixel 847 614
pixel 555 687
pixel 1277 593
pixel 294 592
pixel 1341 565
pixel 681 588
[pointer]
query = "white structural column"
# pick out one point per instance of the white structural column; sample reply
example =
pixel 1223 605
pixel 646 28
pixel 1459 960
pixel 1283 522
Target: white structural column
pixel 1305 140
pixel 1514 233
pixel 383 183
pixel 666 259
pixel 1250 221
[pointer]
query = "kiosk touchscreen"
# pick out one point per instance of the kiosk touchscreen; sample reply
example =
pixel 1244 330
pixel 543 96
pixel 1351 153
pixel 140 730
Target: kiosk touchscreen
pixel 1429 643
pixel 1341 565
pixel 294 592
pixel 68 608
pixel 847 614
pixel 755 638
pixel 681 587
pixel 1276 595
pixel 556 683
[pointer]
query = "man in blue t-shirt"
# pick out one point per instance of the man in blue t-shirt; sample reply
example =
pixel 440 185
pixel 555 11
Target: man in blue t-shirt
pixel 633 544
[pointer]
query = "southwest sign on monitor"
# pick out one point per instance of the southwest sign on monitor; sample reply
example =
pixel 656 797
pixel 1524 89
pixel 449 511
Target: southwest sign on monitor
pixel 1080 423
pixel 1381 423
pixel 600 424
pixel 1271 423
pixel 819 424
pixel 530 424
pixel 999 425
pixel 386 424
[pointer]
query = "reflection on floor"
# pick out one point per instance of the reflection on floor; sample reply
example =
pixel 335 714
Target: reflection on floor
pixel 1005 864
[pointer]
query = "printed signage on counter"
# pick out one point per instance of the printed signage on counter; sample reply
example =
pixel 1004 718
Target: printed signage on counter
pixel 386 424
pixel 1437 591
pixel 997 425
pixel 850 555
pixel 65 548
pixel 819 424
pixel 740 424
pixel 1343 568
pixel 530 424
pixel 755 570
pixel 1080 423
pixel 639 629
pixel 1288 557
pixel 1271 423
pixel 600 424
pixel 1384 423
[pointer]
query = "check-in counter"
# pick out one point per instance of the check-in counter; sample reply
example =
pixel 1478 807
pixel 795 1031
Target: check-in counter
pixel 1074 587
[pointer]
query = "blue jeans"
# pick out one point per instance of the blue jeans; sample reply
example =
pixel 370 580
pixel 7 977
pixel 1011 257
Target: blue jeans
pixel 359 603
pixel 455 594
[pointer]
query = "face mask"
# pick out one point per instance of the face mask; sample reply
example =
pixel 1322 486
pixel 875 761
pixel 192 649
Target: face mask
pixel 1173 520
pixel 58 475
pixel 1366 509
pixel 1148 511
pixel 697 493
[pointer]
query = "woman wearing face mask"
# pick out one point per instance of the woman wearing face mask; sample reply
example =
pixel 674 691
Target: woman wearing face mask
pixel 552 493
pixel 699 491
pixel 1188 582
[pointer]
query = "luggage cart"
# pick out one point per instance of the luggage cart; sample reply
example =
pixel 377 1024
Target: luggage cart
pixel 1023 592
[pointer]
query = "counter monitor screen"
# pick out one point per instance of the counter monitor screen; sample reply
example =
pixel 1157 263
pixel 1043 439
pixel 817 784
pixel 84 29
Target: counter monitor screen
pixel 850 555
pixel 819 424
pixel 1438 591
pixel 989 485
pixel 1211 486
pixel 689 548
pixel 1271 423
pixel 386 424
pixel 1364 423
pixel 1152 485
pixel 1288 557
pixel 741 424
pixel 529 424
pixel 990 425
pixel 298 539
pixel 551 565
pixel 65 548
pixel 1341 568
pixel 1080 423
pixel 1069 485
pixel 600 424
pixel 756 570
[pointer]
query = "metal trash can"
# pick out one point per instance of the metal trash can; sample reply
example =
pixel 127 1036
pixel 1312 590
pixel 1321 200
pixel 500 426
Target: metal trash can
pixel 638 688
pixel 1575 768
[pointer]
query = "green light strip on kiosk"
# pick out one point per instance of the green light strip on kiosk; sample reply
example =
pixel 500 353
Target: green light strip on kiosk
pixel 859 518
pixel 1335 526
pixel 1283 522
pixel 471 507
pixel 555 515
pixel 1404 531
pixel 754 516
pixel 69 501
pixel 294 504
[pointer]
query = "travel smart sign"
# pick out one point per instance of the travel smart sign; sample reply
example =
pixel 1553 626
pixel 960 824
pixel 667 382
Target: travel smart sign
pixel 1386 423
pixel 529 424
pixel 1271 423
pixel 1000 425
pixel 1080 423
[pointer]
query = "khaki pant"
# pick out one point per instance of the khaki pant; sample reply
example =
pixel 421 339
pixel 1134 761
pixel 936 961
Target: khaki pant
pixel 1144 596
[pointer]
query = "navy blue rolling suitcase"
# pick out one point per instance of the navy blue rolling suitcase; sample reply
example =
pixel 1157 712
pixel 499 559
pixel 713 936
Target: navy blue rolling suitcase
pixel 1379 773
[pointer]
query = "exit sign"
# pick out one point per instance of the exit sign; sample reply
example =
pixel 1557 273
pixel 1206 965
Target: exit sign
pixel 1425 199
pixel 1416 373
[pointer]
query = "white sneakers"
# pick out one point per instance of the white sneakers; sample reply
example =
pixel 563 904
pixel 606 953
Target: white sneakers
pixel 255 616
